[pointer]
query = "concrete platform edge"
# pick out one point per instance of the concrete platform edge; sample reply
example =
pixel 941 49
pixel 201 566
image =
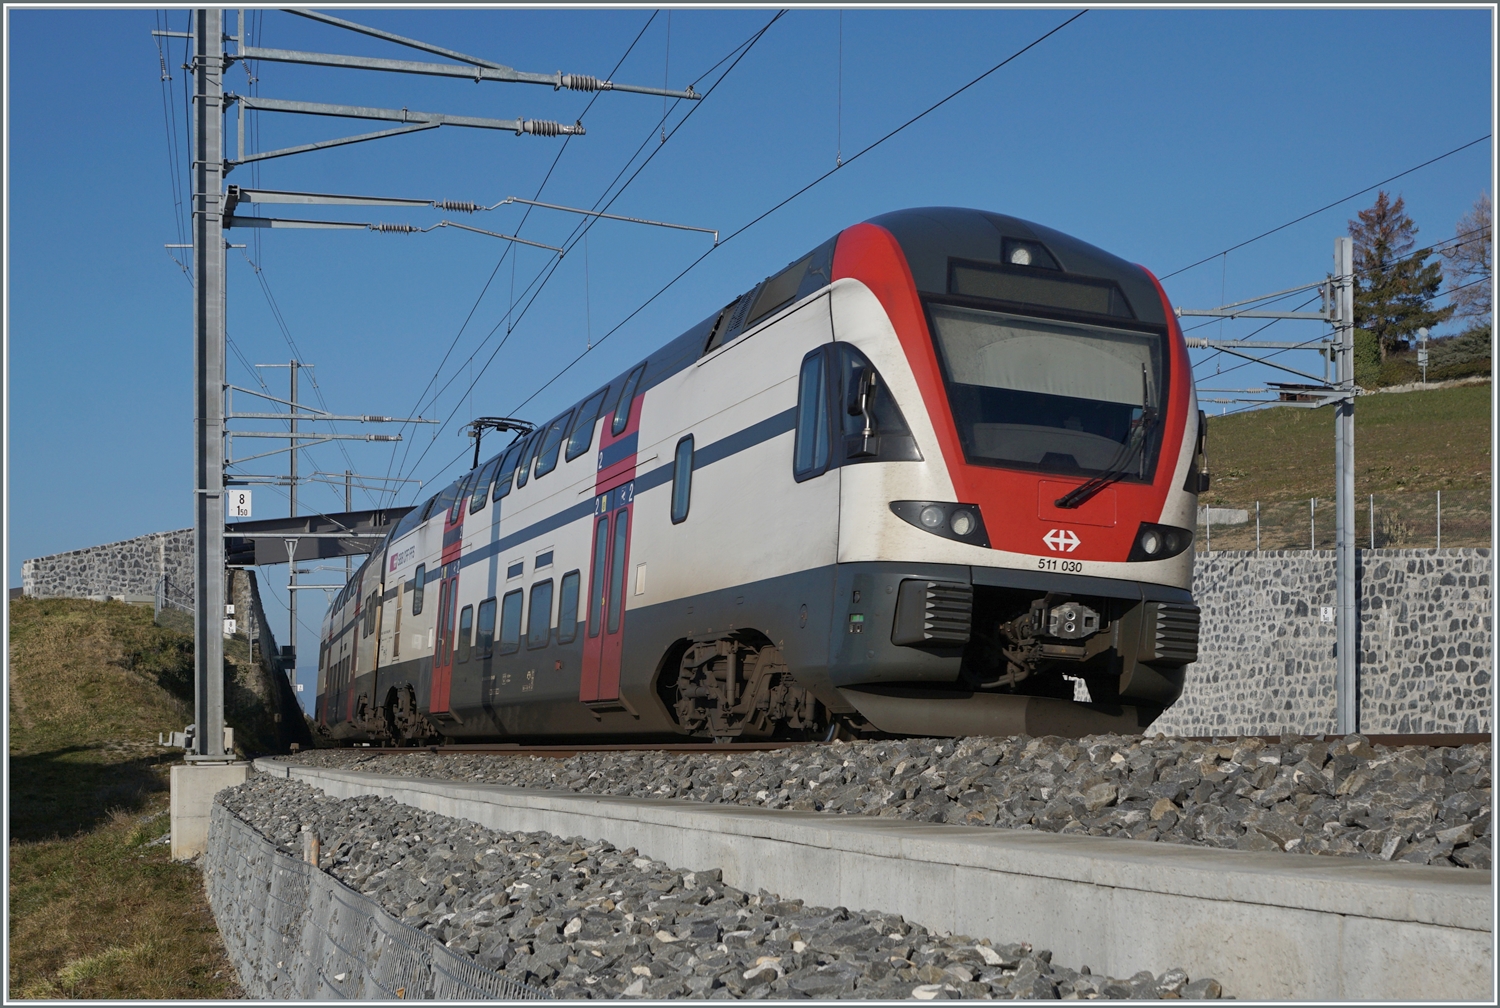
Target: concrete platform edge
pixel 1266 925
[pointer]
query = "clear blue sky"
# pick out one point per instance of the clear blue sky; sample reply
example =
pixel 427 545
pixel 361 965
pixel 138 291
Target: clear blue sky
pixel 1162 135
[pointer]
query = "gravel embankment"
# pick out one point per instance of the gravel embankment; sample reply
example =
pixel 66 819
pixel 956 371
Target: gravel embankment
pixel 586 920
pixel 1345 797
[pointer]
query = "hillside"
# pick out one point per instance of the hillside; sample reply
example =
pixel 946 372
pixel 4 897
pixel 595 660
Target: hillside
pixel 97 909
pixel 1407 447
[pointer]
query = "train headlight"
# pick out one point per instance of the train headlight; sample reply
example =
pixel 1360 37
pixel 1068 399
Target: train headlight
pixel 1158 542
pixel 961 522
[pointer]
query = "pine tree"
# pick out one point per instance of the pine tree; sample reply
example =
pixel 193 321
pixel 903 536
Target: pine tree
pixel 1394 285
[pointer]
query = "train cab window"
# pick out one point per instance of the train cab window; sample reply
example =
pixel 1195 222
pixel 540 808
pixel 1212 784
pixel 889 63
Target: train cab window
pixel 874 429
pixel 418 589
pixel 810 451
pixel 627 398
pixel 539 620
pixel 484 638
pixel 546 456
pixel 567 608
pixel 682 480
pixel 481 493
pixel 582 434
pixel 1052 396
pixel 597 575
pixel 465 632
pixel 778 292
pixel 510 622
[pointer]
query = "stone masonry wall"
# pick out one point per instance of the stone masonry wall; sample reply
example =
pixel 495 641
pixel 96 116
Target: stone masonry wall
pixel 1266 658
pixel 121 570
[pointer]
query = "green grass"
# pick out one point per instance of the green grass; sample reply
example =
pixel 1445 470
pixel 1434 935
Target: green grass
pixel 1407 447
pixel 96 910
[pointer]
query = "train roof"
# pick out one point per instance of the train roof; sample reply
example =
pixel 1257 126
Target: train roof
pixel 931 236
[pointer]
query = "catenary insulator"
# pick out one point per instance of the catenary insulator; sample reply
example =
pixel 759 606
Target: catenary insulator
pixel 582 82
pixel 396 228
pixel 458 205
pixel 545 127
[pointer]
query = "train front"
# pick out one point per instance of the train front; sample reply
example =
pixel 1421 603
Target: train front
pixel 1043 552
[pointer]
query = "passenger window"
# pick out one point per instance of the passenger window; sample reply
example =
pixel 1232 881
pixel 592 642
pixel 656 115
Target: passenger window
pixel 682 479
pixel 627 397
pixel 810 453
pixel 507 470
pixel 617 569
pixel 484 641
pixel 481 495
pixel 539 621
pixel 465 631
pixel 542 560
pixel 777 292
pixel 418 589
pixel 459 495
pixel 523 461
pixel 597 575
pixel 582 434
pixel 510 623
pixel 567 608
pixel 546 458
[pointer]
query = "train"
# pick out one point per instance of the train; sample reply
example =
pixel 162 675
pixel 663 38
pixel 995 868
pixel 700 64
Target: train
pixel 938 476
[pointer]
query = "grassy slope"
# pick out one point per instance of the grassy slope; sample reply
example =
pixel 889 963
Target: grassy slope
pixel 1407 446
pixel 96 912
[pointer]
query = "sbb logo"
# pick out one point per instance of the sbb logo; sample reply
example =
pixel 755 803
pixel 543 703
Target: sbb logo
pixel 1062 540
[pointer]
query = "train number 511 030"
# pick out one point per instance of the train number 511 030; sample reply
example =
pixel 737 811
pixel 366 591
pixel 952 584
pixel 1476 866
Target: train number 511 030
pixel 1066 566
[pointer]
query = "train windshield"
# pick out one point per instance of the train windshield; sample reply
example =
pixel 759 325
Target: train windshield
pixel 1051 396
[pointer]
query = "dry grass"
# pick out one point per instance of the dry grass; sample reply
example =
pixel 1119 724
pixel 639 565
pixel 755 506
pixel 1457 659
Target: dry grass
pixel 106 914
pixel 96 909
pixel 1407 446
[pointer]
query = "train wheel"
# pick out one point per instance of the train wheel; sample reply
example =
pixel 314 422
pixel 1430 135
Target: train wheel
pixel 739 687
pixel 407 724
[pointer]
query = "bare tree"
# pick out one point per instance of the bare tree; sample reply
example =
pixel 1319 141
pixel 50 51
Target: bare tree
pixel 1468 264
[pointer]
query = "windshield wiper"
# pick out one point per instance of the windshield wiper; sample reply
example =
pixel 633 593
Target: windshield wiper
pixel 1080 495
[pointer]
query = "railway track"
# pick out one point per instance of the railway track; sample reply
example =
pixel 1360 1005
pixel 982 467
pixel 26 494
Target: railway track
pixel 565 751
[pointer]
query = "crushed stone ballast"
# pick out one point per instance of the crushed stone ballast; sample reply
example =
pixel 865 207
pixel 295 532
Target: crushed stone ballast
pixel 584 919
pixel 1342 797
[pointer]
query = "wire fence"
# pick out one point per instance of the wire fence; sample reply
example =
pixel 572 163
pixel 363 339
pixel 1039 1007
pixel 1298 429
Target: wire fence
pixel 296 933
pixel 1415 520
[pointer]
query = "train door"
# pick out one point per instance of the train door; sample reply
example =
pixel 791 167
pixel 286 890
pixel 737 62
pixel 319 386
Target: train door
pixel 610 559
pixel 442 652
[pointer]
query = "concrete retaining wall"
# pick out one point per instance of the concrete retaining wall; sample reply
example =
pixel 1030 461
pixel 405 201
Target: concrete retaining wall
pixel 1266 660
pixel 296 933
pixel 1266 925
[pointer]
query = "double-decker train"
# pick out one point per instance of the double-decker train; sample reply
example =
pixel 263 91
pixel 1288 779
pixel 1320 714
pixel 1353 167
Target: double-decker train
pixel 937 476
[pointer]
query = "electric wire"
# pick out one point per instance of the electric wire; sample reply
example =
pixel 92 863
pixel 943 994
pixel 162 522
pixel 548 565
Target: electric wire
pixel 509 251
pixel 741 230
pixel 1330 206
pixel 539 282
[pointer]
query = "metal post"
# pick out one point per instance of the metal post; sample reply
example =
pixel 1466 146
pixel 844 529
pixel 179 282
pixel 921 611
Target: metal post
pixel 208 385
pixel 348 506
pixel 1440 519
pixel 1372 521
pixel 1257 526
pixel 291 605
pixel 1312 523
pixel 1346 707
